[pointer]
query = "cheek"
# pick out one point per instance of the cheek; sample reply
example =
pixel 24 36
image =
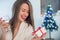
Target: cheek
pixel 20 15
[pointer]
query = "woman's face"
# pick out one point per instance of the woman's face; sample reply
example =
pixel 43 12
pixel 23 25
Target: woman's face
pixel 24 12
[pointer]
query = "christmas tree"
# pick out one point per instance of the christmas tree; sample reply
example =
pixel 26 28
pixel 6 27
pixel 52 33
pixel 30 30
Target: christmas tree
pixel 49 22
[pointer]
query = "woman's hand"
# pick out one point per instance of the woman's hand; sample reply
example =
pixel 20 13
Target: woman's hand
pixel 39 38
pixel 36 38
pixel 3 24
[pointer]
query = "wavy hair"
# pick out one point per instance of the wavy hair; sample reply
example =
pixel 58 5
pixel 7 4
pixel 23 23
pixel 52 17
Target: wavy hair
pixel 15 11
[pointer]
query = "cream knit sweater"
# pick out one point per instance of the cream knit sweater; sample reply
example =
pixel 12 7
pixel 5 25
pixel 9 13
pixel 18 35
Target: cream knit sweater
pixel 24 32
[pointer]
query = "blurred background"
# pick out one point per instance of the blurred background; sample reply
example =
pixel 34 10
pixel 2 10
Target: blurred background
pixel 55 4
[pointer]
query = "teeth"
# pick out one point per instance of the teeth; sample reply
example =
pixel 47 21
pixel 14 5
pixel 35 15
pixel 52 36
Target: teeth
pixel 24 17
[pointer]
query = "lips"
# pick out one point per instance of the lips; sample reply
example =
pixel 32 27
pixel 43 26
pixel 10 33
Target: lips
pixel 23 17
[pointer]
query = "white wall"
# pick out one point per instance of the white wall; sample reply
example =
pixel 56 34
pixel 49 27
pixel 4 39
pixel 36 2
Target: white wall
pixel 36 12
pixel 5 7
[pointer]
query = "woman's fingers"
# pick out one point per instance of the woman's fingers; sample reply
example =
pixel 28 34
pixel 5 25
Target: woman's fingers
pixel 44 36
pixel 3 24
pixel 36 38
pixel 39 38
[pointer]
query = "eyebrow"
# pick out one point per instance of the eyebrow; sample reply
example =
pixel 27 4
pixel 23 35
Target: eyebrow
pixel 25 9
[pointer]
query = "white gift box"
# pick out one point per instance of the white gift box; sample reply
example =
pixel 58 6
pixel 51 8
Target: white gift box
pixel 39 32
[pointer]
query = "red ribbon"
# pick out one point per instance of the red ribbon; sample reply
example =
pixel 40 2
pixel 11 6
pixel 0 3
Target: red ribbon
pixel 39 28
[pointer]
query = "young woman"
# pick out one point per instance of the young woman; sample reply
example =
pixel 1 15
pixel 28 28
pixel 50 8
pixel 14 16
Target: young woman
pixel 21 26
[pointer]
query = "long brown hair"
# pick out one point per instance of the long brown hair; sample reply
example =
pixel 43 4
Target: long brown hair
pixel 15 11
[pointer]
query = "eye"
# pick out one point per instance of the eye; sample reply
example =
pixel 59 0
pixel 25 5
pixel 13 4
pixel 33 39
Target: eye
pixel 23 10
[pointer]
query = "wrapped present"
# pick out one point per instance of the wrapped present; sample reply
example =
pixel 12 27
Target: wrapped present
pixel 40 31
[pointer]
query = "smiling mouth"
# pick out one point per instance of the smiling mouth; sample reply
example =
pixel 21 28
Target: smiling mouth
pixel 23 17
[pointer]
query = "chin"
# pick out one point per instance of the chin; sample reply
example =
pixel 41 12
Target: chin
pixel 22 20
